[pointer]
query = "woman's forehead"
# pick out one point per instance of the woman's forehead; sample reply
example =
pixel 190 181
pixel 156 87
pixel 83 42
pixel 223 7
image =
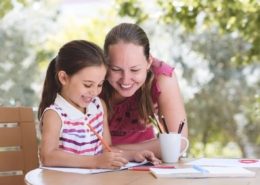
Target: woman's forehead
pixel 126 53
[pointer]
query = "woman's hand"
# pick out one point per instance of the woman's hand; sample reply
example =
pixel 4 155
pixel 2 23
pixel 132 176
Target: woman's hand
pixel 146 155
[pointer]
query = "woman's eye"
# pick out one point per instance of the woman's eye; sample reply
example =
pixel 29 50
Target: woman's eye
pixel 135 70
pixel 87 86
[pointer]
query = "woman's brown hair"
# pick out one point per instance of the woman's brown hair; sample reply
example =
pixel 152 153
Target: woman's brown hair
pixel 131 33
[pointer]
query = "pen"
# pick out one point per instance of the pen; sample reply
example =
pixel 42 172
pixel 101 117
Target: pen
pixel 100 138
pixel 164 124
pixel 200 169
pixel 181 127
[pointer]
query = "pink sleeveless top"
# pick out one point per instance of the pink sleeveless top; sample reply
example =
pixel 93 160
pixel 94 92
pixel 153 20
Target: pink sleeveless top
pixel 125 124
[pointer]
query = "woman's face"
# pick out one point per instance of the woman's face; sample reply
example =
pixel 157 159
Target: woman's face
pixel 127 68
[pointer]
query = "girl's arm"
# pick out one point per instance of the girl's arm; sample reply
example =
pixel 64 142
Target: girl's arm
pixel 52 155
pixel 106 132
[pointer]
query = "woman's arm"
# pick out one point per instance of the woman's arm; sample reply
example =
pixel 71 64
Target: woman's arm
pixel 170 103
pixel 151 145
pixel 130 152
pixel 171 106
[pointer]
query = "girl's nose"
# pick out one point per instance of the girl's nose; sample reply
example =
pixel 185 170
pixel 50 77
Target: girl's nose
pixel 94 91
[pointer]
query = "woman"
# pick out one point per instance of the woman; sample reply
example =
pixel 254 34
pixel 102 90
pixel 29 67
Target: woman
pixel 138 86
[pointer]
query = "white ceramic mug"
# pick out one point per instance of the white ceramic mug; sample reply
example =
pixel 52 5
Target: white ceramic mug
pixel 171 146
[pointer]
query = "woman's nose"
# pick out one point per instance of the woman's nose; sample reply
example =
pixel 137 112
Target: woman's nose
pixel 125 77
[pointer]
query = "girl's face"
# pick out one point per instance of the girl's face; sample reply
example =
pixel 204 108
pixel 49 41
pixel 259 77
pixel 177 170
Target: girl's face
pixel 80 88
pixel 127 68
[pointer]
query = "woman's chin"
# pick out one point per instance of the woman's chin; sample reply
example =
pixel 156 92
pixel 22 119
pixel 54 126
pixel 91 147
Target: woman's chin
pixel 126 93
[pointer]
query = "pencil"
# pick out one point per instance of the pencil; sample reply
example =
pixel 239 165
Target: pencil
pixel 100 138
pixel 164 124
pixel 155 123
pixel 159 124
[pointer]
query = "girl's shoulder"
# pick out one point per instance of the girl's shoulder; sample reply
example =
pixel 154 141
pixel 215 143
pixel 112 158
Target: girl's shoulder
pixel 55 108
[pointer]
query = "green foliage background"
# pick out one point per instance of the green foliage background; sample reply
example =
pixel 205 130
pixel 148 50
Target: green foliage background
pixel 223 35
pixel 224 113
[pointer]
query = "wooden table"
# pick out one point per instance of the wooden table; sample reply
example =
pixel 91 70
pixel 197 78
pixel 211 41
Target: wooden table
pixel 127 177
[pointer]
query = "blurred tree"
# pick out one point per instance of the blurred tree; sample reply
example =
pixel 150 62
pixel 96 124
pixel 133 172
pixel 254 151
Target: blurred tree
pixel 225 36
pixel 228 16
pixel 219 95
pixel 19 74
pixel 8 5
pixel 220 109
pixel 31 35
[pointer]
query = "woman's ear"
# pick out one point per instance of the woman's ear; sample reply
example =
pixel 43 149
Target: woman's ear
pixel 63 77
pixel 150 61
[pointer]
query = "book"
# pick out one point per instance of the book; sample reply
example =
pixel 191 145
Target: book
pixel 247 163
pixel 202 172
pixel 93 171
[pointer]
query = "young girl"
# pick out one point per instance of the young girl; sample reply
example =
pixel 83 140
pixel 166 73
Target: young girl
pixel 70 104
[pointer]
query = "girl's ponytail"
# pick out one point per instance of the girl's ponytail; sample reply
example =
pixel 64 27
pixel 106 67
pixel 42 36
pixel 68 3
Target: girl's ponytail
pixel 50 88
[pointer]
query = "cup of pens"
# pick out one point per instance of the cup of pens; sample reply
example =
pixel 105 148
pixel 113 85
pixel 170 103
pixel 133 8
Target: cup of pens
pixel 170 144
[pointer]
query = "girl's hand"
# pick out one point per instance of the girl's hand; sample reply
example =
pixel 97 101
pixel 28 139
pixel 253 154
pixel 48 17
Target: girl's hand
pixel 146 155
pixel 112 160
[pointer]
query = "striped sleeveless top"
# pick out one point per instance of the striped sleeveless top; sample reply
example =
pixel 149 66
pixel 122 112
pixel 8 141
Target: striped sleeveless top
pixel 75 135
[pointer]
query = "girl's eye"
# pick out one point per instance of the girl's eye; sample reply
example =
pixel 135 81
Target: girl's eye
pixel 115 69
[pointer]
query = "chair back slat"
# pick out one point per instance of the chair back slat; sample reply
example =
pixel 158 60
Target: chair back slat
pixel 14 180
pixel 10 136
pixel 13 160
pixel 18 144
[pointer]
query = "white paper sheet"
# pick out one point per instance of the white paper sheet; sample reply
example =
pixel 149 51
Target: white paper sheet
pixel 211 172
pixel 247 163
pixel 91 171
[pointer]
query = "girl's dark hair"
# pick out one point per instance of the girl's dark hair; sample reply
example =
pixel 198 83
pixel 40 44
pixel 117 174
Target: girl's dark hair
pixel 131 33
pixel 72 57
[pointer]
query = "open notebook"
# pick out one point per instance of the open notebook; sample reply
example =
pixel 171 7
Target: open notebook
pixel 206 173
pixel 92 171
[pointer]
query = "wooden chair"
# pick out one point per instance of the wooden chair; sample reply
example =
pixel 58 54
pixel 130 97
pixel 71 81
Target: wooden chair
pixel 18 144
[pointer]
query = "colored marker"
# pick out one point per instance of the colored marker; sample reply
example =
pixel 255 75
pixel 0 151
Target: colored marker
pixel 147 168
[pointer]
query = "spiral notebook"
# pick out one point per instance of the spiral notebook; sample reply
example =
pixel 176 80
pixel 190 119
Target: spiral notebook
pixel 203 172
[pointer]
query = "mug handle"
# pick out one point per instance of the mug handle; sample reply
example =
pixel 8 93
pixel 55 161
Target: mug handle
pixel 187 145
